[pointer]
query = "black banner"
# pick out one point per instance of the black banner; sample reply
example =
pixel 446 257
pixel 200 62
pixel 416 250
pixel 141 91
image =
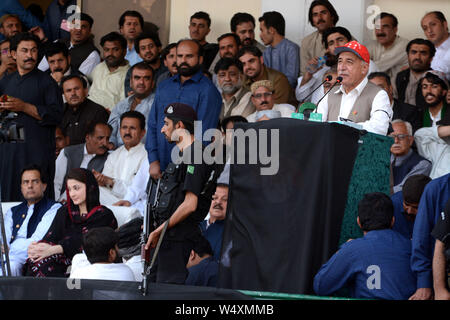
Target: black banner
pixel 281 228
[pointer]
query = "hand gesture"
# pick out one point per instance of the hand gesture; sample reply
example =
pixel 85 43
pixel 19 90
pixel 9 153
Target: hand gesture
pixel 122 203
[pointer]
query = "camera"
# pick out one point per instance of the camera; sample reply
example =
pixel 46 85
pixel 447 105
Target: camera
pixel 10 130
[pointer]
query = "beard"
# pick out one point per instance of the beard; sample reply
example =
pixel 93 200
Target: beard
pixel 230 88
pixel 186 70
pixel 152 60
pixel 438 100
pixel 113 62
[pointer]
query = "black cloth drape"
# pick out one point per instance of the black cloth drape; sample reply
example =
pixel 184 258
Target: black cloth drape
pixel 281 228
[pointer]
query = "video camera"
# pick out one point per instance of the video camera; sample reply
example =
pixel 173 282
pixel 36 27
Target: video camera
pixel 10 130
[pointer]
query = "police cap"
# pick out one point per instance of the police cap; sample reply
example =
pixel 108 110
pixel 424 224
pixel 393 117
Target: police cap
pixel 180 111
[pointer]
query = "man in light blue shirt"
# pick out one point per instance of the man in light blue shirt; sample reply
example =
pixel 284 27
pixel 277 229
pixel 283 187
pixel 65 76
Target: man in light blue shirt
pixel 142 84
pixel 189 86
pixel 29 221
pixel 130 26
pixel 281 54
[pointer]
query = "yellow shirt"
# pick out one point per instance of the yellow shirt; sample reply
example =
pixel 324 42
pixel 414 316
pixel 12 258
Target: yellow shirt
pixel 108 88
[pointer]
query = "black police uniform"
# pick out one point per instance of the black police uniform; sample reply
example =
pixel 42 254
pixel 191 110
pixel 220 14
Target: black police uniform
pixel 178 241
pixel 441 231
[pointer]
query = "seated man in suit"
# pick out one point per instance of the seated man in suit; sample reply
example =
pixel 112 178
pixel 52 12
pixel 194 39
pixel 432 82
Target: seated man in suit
pixel 89 155
pixel 405 162
pixel 30 220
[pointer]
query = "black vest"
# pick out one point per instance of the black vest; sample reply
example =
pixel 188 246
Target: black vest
pixel 79 52
pixel 171 193
pixel 400 172
pixel 74 155
pixel 401 82
pixel 19 213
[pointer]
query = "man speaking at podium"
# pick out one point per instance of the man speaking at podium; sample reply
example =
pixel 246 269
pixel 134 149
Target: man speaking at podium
pixel 357 100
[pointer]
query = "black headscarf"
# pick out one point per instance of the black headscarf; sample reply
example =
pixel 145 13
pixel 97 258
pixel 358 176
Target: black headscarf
pixel 92 192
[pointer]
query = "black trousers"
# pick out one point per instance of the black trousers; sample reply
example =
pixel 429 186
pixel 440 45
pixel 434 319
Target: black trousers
pixel 173 255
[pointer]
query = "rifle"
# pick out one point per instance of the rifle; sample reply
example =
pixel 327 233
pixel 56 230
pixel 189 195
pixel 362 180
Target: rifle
pixel 148 225
pixel 5 252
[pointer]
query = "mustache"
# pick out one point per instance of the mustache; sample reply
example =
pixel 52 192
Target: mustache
pixel 58 70
pixel 320 21
pixel 264 102
pixel 381 35
pixel 127 135
pixel 218 206
pixel 30 60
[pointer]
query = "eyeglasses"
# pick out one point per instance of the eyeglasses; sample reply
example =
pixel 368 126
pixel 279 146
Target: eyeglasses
pixel 260 95
pixel 399 136
pixel 5 51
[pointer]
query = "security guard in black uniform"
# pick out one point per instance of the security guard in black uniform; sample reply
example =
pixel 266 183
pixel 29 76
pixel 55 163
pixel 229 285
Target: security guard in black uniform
pixel 184 198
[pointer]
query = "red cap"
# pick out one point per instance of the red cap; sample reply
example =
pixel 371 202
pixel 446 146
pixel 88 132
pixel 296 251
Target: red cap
pixel 356 48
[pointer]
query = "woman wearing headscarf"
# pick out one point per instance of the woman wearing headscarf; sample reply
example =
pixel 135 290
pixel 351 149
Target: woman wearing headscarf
pixel 51 256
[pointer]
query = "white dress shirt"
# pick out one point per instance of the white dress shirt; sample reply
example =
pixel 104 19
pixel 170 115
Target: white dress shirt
pixel 104 271
pixel 435 149
pixel 380 114
pixel 136 192
pixel 122 166
pixel 86 66
pixel 441 59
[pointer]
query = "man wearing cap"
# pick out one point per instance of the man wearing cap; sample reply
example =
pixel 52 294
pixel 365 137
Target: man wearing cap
pixel 331 38
pixel 357 99
pixel 262 98
pixel 188 86
pixel 185 197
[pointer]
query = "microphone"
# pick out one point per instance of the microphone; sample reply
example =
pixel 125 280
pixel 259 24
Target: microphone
pixel 338 80
pixel 328 78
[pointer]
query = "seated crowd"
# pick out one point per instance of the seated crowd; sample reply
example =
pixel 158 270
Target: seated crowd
pixel 98 126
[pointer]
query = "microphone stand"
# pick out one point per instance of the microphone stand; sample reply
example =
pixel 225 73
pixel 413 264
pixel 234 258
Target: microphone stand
pixel 338 80
pixel 328 78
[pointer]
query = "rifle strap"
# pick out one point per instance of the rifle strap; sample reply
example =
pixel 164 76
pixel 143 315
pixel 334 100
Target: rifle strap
pixel 158 245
